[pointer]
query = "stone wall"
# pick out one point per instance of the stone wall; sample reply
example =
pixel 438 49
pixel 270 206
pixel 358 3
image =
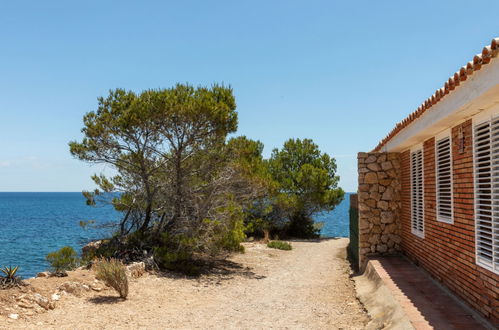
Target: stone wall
pixel 379 204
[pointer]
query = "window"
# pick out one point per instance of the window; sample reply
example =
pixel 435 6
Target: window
pixel 444 180
pixel 486 161
pixel 417 203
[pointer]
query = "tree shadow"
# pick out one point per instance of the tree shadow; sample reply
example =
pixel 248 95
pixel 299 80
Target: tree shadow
pixel 105 300
pixel 314 240
pixel 214 271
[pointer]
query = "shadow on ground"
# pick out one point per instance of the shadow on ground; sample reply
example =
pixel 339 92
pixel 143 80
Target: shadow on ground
pixel 314 240
pixel 105 300
pixel 215 271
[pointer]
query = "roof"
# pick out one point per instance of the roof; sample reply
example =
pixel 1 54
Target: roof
pixel 479 60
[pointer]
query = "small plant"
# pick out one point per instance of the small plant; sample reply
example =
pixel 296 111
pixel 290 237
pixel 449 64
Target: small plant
pixel 10 272
pixel 113 273
pixel 63 260
pixel 279 245
pixel 10 279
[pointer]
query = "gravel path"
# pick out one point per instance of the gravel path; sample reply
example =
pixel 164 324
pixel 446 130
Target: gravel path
pixel 306 288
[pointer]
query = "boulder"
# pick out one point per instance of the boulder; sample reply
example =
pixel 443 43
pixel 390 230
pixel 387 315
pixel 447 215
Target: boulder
pixel 136 269
pixel 13 316
pixel 43 274
pixel 42 301
pixel 90 248
pixel 74 288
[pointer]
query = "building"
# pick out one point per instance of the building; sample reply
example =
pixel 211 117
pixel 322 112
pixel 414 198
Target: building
pixel 430 189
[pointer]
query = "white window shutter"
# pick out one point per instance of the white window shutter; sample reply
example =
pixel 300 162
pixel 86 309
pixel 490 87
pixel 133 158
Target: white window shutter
pixel 417 193
pixel 444 179
pixel 486 162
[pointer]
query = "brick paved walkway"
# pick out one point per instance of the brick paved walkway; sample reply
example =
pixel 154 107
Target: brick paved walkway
pixel 425 303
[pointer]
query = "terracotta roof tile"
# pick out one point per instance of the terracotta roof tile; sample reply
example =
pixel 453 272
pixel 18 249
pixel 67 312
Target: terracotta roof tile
pixel 471 67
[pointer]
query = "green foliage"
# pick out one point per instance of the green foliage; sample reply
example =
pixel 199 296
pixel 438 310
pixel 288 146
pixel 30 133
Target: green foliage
pixel 10 272
pixel 63 260
pixel 185 192
pixel 259 213
pixel 176 252
pixel 10 279
pixel 229 234
pixel 113 273
pixel 280 245
pixel 307 179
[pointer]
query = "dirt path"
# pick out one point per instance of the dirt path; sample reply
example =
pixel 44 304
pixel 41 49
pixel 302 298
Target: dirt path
pixel 306 288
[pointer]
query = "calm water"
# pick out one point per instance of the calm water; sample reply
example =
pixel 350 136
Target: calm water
pixel 336 222
pixel 34 224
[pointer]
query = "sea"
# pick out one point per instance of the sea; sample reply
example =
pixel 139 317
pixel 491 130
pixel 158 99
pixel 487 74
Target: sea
pixel 32 224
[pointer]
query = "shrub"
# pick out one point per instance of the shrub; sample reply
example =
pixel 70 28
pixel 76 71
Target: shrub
pixel 10 279
pixel 113 273
pixel 10 272
pixel 176 252
pixel 64 259
pixel 279 245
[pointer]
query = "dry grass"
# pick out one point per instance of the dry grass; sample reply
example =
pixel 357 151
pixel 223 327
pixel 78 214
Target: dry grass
pixel 113 273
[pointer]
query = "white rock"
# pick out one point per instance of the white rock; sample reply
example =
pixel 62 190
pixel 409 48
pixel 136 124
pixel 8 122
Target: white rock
pixel 55 297
pixel 14 316
pixel 136 269
pixel 41 301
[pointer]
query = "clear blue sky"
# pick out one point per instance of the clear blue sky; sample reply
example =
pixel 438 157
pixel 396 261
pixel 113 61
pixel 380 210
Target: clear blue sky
pixel 339 72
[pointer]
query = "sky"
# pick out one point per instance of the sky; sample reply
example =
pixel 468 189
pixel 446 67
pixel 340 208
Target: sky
pixel 339 72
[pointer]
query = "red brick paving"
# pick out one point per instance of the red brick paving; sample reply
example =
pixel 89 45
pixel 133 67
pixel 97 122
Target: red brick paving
pixel 426 304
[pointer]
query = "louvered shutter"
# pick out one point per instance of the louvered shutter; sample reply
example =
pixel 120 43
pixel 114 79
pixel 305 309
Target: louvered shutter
pixel 444 180
pixel 486 161
pixel 417 191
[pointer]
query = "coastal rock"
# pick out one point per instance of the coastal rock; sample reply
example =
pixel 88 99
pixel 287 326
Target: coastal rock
pixel 136 269
pixel 90 248
pixel 74 288
pixel 43 274
pixel 42 301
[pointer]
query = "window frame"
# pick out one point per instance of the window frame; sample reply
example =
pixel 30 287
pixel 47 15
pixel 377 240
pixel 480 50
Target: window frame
pixel 447 134
pixel 418 233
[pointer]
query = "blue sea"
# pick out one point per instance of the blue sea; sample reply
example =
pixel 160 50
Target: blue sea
pixel 34 224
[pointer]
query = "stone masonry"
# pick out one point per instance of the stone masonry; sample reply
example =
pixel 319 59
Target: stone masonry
pixel 378 204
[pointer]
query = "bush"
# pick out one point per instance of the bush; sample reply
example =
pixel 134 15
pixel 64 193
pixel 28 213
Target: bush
pixel 63 260
pixel 10 272
pixel 279 245
pixel 176 252
pixel 113 273
pixel 10 279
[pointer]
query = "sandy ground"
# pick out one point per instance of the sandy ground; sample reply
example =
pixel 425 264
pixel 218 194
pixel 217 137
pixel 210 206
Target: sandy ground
pixel 306 288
